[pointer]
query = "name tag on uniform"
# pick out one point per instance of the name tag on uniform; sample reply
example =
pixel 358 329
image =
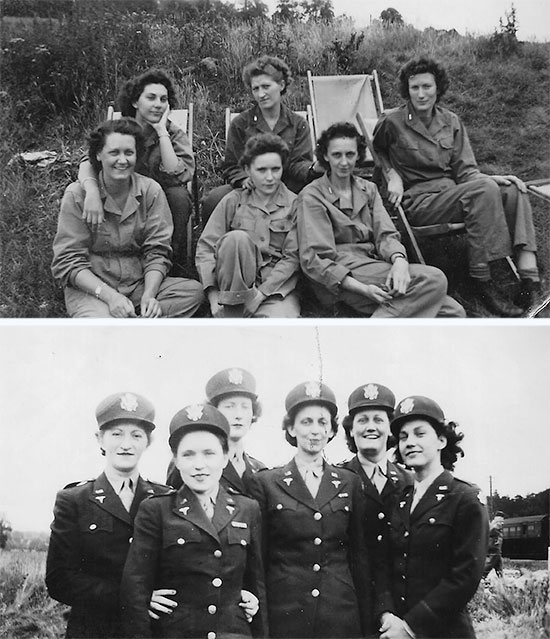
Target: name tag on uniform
pixel 239 524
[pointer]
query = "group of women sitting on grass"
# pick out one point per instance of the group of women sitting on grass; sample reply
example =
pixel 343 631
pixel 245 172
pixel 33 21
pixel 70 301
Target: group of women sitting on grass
pixel 120 242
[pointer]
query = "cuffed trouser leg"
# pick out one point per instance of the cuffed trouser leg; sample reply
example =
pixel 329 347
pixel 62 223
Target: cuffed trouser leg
pixel 519 217
pixel 277 306
pixel 181 206
pixel 479 205
pixel 426 295
pixel 210 201
pixel 238 259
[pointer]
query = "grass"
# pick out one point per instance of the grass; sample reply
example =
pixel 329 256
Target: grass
pixel 501 609
pixel 53 94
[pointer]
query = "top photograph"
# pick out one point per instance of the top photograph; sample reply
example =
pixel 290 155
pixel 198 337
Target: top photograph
pixel 275 159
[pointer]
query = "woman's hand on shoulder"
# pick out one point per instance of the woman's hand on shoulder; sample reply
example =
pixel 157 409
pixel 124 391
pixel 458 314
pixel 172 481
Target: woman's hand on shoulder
pixel 506 180
pixel 92 211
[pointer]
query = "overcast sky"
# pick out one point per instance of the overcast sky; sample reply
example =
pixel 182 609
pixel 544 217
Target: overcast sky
pixel 466 16
pixel 492 379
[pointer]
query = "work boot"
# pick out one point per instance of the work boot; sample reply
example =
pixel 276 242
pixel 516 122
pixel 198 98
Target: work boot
pixel 486 291
pixel 528 293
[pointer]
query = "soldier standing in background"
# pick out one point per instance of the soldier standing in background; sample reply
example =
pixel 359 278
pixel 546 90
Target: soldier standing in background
pixel 494 552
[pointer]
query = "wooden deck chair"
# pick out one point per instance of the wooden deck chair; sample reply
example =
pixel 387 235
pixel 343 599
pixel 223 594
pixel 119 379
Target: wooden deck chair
pixel 184 119
pixel 413 233
pixel 338 98
pixel 307 115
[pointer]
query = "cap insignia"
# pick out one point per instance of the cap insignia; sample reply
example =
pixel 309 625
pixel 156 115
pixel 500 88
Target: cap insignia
pixel 235 376
pixel 370 391
pixel 407 405
pixel 129 402
pixel 194 413
pixel 313 389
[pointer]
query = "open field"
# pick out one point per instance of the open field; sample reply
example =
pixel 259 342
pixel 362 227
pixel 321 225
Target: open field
pixel 502 609
pixel 58 76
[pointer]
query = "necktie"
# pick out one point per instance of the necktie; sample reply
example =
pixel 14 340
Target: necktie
pixel 208 507
pixel 415 499
pixel 126 494
pixel 312 479
pixel 239 465
pixel 378 479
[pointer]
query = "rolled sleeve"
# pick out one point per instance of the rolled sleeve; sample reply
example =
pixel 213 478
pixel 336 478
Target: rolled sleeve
pixel 73 240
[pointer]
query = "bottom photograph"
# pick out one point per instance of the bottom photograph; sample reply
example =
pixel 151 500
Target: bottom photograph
pixel 288 481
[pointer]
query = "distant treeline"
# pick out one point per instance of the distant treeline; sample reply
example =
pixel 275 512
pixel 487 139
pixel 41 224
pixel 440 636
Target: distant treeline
pixel 518 506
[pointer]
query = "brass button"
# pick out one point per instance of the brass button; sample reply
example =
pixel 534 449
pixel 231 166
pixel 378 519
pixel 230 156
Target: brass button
pixel 316 567
pixel 217 553
pixel 381 515
pixel 315 593
pixel 317 516
pixel 216 582
pixel 93 526
pixel 317 541
pixel 181 541
pixel 212 609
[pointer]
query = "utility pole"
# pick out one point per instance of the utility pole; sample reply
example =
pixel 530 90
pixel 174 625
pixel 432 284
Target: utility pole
pixel 490 496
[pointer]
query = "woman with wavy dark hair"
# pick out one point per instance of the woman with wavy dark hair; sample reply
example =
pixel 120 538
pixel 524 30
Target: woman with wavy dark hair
pixel 120 269
pixel 438 530
pixel 349 246
pixel 431 169
pixel 267 78
pixel 317 566
pixel 168 156
pixel 247 254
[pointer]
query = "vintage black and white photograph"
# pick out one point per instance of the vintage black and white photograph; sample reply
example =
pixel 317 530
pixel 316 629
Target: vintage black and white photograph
pixel 378 456
pixel 285 159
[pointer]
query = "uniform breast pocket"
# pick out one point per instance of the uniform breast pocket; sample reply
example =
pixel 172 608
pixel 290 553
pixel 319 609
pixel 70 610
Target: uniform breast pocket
pixel 283 505
pixel 435 531
pixel 243 221
pixel 238 533
pixel 341 504
pixel 405 150
pixel 95 524
pixel 178 537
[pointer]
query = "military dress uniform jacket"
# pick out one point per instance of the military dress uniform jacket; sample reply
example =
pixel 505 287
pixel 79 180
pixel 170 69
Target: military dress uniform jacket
pixel 206 562
pixel 292 128
pixel 317 567
pixel 438 557
pixel 90 537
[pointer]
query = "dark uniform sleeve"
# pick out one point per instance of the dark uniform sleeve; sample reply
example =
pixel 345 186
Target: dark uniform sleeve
pixel 64 579
pixel 301 156
pixel 254 574
pixel 138 578
pixel 459 584
pixel 236 138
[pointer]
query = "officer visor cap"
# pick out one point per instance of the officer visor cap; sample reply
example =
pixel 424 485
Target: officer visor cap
pixel 231 381
pixel 197 417
pixel 416 406
pixel 125 407
pixel 311 393
pixel 371 396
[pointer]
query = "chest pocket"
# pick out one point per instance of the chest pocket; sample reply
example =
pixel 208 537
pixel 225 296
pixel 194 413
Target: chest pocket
pixel 447 142
pixel 280 226
pixel 243 220
pixel 181 535
pixel 437 520
pixel 237 534
pixel 94 523
pixel 284 504
pixel 341 503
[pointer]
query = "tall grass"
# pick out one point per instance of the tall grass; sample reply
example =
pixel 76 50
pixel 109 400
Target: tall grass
pixel 59 76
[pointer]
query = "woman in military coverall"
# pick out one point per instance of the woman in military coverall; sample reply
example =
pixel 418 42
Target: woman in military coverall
pixel 92 528
pixel 317 568
pixel 438 530
pixel 199 541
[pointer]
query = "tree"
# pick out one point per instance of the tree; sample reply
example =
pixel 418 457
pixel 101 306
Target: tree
pixel 253 9
pixel 391 18
pixel 5 530
pixel 287 11
pixel 320 10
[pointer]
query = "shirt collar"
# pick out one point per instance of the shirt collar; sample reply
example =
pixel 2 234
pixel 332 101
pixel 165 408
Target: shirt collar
pixel 420 487
pixel 369 466
pixel 116 480
pixel 316 466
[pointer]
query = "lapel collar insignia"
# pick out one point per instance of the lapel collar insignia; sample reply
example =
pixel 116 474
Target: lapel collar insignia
pixel 184 510
pixel 100 498
pixel 439 496
pixel 334 474
pixel 402 504
pixel 288 480
pixel 288 472
pixel 151 491
pixel 336 483
pixel 99 491
pixel 231 509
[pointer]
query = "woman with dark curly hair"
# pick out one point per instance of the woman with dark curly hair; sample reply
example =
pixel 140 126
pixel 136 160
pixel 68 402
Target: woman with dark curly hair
pixel 267 78
pixel 247 254
pixel 120 269
pixel 168 156
pixel 438 530
pixel 349 246
pixel 431 169
pixel 316 561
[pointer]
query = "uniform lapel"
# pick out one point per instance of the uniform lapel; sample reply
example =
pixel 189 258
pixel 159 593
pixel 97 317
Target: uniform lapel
pixel 291 482
pixel 104 496
pixel 369 488
pixel 403 505
pixel 187 507
pixel 438 490
pixel 143 490
pixel 231 477
pixel 332 483
pixel 225 510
